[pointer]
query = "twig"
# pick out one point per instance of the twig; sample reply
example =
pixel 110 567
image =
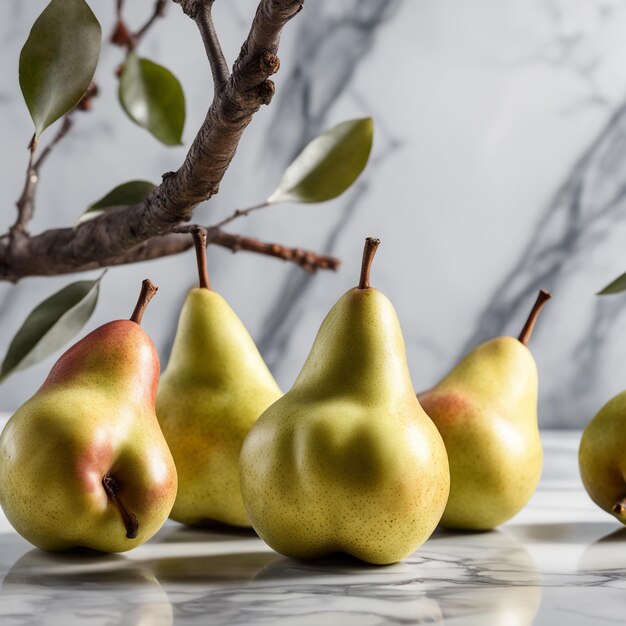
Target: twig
pixel 124 37
pixel 26 201
pixel 240 213
pixel 65 128
pixel 159 11
pixel 219 67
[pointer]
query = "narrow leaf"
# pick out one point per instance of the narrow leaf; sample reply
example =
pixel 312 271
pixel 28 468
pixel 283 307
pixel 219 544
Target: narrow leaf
pixel 51 325
pixel 619 284
pixel 58 60
pixel 153 98
pixel 328 165
pixel 126 194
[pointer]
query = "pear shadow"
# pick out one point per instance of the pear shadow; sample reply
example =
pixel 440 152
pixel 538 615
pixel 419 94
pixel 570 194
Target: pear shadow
pixel 206 533
pixel 561 532
pixel 335 568
pixel 603 555
pixel 219 569
pixel 444 531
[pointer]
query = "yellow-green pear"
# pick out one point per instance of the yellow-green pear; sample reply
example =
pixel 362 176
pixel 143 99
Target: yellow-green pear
pixel 83 463
pixel 602 457
pixel 214 388
pixel 486 412
pixel 347 460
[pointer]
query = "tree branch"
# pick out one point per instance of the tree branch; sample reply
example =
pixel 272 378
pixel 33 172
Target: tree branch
pixel 116 232
pixel 219 67
pixel 181 240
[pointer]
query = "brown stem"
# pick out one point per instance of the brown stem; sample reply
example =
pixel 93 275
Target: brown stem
pixel 112 488
pixel 620 506
pixel 148 289
pixel 371 245
pixel 542 298
pixel 199 235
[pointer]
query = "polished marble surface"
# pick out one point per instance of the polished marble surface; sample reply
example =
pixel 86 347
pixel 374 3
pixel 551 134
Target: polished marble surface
pixel 560 561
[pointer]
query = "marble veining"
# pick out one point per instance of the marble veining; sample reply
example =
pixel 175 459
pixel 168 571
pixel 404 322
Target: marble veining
pixel 559 561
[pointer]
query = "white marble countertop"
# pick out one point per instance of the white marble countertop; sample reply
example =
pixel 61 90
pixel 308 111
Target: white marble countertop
pixel 560 561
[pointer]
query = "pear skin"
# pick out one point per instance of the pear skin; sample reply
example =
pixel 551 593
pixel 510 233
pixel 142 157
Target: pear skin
pixel 486 411
pixel 214 388
pixel 83 463
pixel 347 460
pixel 601 457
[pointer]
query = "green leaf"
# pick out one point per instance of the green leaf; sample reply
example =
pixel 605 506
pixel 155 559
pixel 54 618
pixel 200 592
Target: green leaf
pixel 153 98
pixel 619 284
pixel 51 325
pixel 126 194
pixel 328 165
pixel 58 60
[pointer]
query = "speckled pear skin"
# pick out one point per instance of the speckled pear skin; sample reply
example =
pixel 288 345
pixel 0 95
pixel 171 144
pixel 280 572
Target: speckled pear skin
pixel 602 458
pixel 214 388
pixel 347 461
pixel 486 412
pixel 93 415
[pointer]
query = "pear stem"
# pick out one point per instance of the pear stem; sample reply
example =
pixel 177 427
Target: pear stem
pixel 371 245
pixel 199 235
pixel 130 519
pixel 620 506
pixel 527 331
pixel 148 289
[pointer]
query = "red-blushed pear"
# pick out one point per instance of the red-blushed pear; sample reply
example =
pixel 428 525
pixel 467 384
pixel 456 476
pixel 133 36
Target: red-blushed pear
pixel 347 460
pixel 83 463
pixel 214 388
pixel 486 412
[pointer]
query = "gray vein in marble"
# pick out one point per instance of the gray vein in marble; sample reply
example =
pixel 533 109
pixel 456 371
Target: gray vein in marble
pixel 331 43
pixel 584 210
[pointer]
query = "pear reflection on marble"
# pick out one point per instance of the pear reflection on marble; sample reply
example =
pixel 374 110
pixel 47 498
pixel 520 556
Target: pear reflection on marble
pixel 378 595
pixel 101 590
pixel 492 579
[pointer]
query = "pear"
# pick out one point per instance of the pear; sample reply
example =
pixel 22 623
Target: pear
pixel 602 458
pixel 347 460
pixel 215 386
pixel 83 463
pixel 486 412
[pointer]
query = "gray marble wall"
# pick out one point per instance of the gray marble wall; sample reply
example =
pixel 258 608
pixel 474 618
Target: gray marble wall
pixel 499 167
